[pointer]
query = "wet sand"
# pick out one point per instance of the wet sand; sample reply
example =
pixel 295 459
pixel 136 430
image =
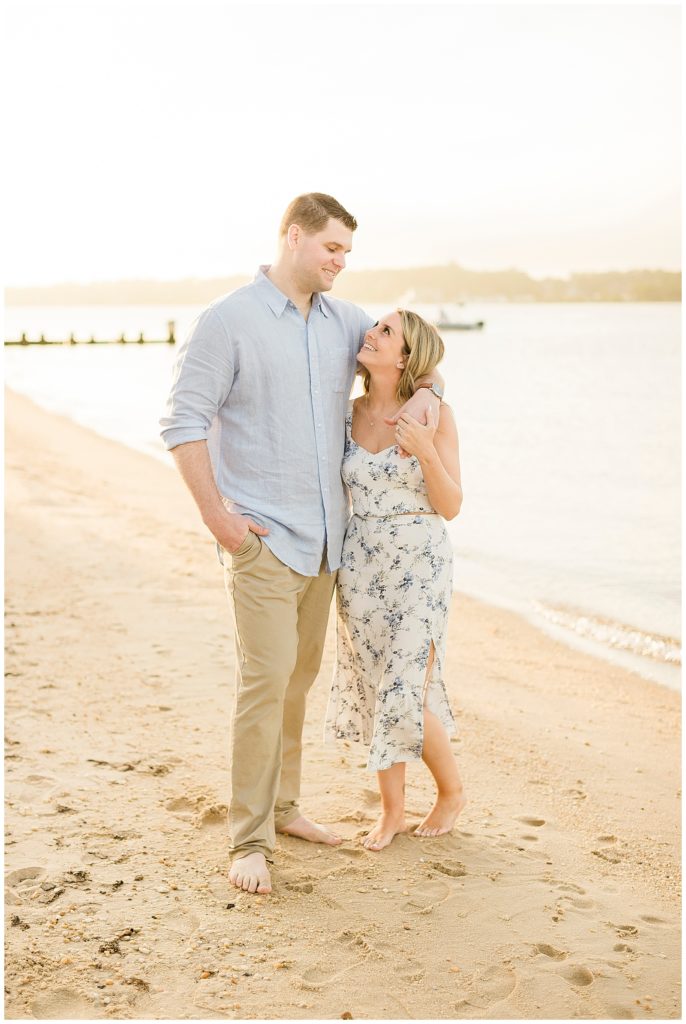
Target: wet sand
pixel 557 895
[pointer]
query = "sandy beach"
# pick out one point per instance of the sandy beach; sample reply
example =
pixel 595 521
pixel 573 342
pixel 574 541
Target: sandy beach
pixel 557 896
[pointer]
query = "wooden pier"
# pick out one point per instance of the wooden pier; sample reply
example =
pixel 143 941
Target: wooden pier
pixel 72 340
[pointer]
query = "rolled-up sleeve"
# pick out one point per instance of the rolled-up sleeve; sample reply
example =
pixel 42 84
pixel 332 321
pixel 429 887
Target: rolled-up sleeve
pixel 203 378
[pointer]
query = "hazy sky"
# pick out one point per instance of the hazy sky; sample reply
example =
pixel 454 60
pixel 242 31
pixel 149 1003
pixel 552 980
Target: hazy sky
pixel 165 140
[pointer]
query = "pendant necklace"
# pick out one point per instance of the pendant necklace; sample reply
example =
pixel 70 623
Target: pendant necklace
pixel 366 407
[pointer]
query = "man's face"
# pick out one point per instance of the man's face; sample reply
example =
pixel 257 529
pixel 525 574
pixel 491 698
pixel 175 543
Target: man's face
pixel 319 258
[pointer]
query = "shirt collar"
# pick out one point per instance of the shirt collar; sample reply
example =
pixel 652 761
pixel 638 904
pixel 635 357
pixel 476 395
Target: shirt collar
pixel 276 300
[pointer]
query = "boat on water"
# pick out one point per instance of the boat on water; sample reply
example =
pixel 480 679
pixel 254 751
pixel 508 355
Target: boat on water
pixel 445 322
pixel 443 319
pixel 460 325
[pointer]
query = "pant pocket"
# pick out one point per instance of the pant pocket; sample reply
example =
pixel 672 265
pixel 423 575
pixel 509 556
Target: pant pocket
pixel 229 558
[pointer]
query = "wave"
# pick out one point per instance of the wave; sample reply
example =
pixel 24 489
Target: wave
pixel 658 647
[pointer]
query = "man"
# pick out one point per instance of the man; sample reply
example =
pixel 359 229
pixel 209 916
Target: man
pixel 255 420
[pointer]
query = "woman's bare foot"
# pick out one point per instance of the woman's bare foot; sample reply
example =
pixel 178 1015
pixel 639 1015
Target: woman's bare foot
pixel 442 815
pixel 303 828
pixel 384 832
pixel 251 874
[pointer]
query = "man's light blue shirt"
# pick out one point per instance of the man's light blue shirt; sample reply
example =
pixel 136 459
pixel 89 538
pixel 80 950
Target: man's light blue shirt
pixel 268 390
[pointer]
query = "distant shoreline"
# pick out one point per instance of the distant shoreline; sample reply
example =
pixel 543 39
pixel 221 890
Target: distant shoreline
pixel 448 284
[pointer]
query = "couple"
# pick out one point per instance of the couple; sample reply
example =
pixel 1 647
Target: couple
pixel 262 431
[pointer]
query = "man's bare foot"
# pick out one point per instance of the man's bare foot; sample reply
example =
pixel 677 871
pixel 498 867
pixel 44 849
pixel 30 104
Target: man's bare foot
pixel 251 874
pixel 303 828
pixel 384 832
pixel 442 815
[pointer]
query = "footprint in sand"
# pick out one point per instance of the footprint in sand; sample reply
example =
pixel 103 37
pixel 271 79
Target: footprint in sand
pixel 20 883
pixel 606 850
pixel 404 967
pixel 323 973
pixel 427 895
pixel 356 817
pixel 547 950
pixel 454 868
pixel 37 780
pixel 410 970
pixel 575 896
pixel 212 816
pixel 492 986
pixel 63 1004
pixel 651 919
pixel 354 852
pixel 577 975
pixel 623 930
pixel 577 794
pixel 535 822
pixel 608 854
pixel 179 921
pixel 184 807
pixel 196 809
pixel 303 887
pixel 529 851
pixel 30 874
pixel 361 943
pixel 579 902
pixel 570 887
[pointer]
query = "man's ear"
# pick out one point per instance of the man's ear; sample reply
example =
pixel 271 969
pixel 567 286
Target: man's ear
pixel 293 236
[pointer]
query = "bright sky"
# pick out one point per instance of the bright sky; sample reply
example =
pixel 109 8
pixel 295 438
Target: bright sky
pixel 165 140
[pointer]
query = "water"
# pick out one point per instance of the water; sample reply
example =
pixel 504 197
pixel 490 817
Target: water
pixel 569 422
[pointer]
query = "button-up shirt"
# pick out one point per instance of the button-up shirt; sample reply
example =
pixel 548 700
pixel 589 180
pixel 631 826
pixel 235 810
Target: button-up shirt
pixel 268 390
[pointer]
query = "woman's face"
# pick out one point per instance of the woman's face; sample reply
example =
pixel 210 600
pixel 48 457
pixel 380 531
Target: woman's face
pixel 383 345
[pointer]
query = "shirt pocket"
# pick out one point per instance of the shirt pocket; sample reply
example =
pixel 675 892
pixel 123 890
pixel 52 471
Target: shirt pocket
pixel 338 361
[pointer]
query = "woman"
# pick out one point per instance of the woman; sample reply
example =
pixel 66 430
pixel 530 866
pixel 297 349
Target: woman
pixel 395 582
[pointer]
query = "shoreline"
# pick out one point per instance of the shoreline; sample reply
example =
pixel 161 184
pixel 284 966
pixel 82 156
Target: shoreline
pixel 529 609
pixel 557 895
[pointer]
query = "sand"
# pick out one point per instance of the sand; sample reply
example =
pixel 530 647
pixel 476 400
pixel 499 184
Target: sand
pixel 557 896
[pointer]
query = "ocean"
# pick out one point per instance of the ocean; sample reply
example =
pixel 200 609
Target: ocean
pixel 569 424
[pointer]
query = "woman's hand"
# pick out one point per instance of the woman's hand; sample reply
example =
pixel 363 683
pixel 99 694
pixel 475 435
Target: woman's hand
pixel 414 438
pixel 416 407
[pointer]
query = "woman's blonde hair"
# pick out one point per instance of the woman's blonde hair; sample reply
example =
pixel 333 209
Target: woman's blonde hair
pixel 422 351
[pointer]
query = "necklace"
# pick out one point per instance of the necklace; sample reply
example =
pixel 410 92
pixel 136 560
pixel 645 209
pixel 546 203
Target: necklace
pixel 366 407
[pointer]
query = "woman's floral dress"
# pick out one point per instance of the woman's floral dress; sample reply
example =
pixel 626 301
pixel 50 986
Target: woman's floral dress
pixel 393 595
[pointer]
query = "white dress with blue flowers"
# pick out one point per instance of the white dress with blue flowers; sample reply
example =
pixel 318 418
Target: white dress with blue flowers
pixel 393 595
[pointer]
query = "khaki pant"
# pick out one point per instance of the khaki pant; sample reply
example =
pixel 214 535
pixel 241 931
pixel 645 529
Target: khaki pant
pixel 280 620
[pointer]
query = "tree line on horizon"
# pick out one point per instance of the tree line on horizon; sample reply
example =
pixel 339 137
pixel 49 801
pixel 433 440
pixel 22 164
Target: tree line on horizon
pixel 447 283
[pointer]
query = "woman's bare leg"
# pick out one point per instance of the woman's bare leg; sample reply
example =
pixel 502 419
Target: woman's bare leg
pixel 440 760
pixel 438 756
pixel 392 821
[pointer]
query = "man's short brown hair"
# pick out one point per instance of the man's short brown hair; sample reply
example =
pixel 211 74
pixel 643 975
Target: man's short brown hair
pixel 312 210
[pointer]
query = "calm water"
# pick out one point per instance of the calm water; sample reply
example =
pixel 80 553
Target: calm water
pixel 569 422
